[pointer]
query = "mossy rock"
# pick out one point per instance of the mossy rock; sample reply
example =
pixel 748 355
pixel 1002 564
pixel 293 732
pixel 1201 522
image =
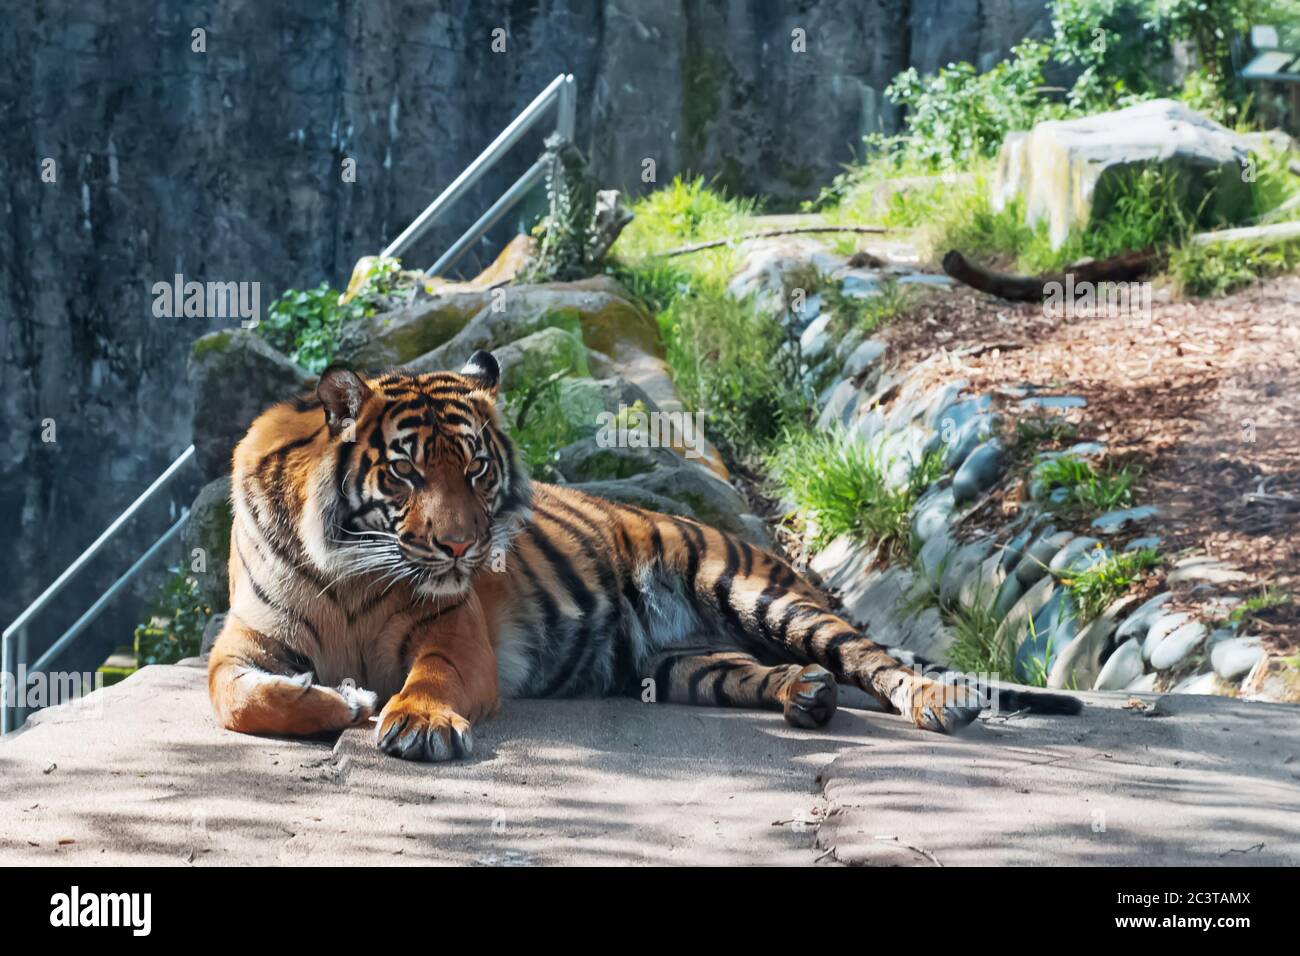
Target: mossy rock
pixel 235 376
pixel 606 322
pixel 589 460
pixel 396 337
pixel 206 540
pixel 539 356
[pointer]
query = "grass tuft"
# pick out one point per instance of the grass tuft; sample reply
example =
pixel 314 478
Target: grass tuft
pixel 1095 587
pixel 1088 488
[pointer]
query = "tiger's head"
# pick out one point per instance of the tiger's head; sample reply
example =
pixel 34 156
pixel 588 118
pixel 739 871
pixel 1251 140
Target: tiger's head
pixel 427 488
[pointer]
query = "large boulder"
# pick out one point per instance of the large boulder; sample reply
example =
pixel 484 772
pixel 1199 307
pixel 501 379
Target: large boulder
pixel 397 336
pixel 1068 171
pixel 235 376
pixel 206 540
pixel 537 357
pixel 606 320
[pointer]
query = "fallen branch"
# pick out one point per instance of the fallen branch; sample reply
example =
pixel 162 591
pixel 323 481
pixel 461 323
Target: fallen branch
pixel 1255 235
pixel 1124 267
pixel 768 234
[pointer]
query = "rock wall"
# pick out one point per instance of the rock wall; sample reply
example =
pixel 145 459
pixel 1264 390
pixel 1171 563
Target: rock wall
pixel 226 165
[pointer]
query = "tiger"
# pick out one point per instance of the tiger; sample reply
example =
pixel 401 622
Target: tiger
pixel 392 561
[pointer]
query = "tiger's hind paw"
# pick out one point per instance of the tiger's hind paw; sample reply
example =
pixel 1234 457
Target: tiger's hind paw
pixel 942 707
pixel 812 697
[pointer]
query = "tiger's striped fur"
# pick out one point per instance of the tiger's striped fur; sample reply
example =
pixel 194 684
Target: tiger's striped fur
pixel 388 551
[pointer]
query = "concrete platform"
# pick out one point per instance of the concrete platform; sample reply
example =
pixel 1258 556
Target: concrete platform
pixel 139 773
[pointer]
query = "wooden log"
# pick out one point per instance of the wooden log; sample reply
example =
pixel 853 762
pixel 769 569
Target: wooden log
pixel 1124 267
pixel 1255 235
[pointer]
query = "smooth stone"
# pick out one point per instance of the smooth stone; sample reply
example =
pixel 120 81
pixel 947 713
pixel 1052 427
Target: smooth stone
pixel 1233 657
pixel 1139 622
pixel 1162 627
pixel 962 444
pixel 935 552
pixel 979 472
pixel 1207 683
pixel 1015 548
pixel 966 559
pixel 1038 556
pixel 859 285
pixel 1078 554
pixel 1016 623
pixel 839 406
pixel 1205 571
pixel 1079 663
pixel 958 414
pixel 1009 592
pixel 863 357
pixel 981 585
pixel 1176 647
pixel 1145 684
pixel 1151 541
pixel 814 339
pixel 1059 496
pixel 867 427
pixel 1055 627
pixel 1121 668
pixel 1114 521
pixel 925 278
pixel 943 399
pixel 932 512
pixel 1053 402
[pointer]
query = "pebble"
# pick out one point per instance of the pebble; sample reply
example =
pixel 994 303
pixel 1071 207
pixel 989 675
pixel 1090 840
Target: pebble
pixel 932 512
pixel 1079 554
pixel 1205 571
pixel 1139 622
pixel 1053 401
pixel 1234 657
pixel 1207 683
pixel 863 357
pixel 1162 627
pixel 1121 668
pixel 1114 521
pixel 979 472
pixel 1151 541
pixel 1038 556
pixel 1178 646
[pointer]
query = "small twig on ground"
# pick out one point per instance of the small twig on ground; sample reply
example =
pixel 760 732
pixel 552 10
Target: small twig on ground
pixel 768 234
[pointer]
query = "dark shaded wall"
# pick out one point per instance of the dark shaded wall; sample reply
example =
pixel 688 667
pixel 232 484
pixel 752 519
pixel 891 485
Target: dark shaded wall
pixel 225 165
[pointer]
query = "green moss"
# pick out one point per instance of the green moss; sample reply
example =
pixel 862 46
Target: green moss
pixel 214 342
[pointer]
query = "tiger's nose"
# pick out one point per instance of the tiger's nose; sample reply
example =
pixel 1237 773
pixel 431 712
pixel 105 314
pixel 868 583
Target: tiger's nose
pixel 455 546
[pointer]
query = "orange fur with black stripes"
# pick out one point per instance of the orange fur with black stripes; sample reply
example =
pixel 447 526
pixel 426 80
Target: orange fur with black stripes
pixel 389 555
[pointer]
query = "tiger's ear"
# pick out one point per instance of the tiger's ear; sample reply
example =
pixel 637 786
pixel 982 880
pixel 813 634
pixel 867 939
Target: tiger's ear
pixel 342 392
pixel 482 367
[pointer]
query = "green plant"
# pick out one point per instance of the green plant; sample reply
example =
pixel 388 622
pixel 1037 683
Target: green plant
pixel 842 487
pixel 865 313
pixel 565 234
pixel 177 617
pixel 1268 597
pixel 730 361
pixel 1087 488
pixel 1033 432
pixel 306 324
pixel 1213 269
pixel 539 425
pixel 1101 582
pixel 975 648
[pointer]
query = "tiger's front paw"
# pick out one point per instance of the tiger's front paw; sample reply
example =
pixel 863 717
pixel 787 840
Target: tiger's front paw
pixel 933 705
pixel 414 730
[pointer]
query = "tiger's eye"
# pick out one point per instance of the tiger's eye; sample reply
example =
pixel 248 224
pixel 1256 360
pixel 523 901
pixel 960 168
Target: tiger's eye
pixel 478 468
pixel 402 468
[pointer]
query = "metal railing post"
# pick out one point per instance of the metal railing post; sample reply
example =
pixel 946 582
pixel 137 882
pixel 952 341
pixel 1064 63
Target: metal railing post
pixel 520 125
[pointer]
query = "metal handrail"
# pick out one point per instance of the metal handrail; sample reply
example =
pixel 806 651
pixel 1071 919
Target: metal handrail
pixel 12 657
pixel 560 92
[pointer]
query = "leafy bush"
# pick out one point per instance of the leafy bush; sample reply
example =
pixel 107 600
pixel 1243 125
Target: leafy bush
pixel 1096 586
pixel 735 364
pixel 841 487
pixel 306 324
pixel 1203 269
pixel 1085 486
pixel 538 424
pixel 177 617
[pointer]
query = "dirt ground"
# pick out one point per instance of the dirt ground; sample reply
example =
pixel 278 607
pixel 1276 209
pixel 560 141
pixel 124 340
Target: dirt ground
pixel 1202 395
